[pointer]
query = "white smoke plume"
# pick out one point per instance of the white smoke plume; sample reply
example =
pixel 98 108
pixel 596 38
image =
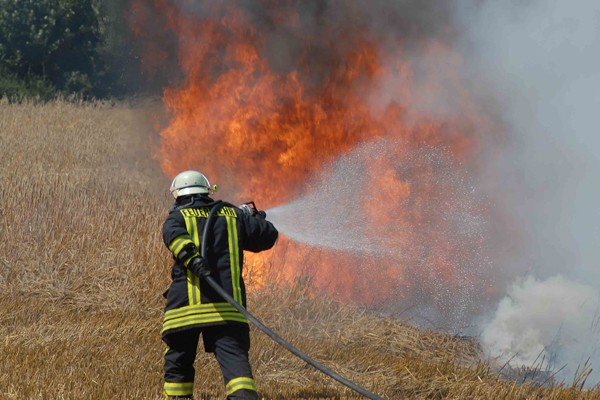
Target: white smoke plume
pixel 550 324
pixel 541 61
pixel 535 68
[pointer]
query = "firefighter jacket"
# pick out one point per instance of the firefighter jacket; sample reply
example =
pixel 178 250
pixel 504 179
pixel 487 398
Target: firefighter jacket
pixel 191 302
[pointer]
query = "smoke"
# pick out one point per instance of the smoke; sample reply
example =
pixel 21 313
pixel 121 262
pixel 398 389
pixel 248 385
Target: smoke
pixel 539 62
pixel 309 37
pixel 549 324
pixel 533 67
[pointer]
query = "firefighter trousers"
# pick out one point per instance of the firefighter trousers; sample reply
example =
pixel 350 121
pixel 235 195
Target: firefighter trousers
pixel 229 343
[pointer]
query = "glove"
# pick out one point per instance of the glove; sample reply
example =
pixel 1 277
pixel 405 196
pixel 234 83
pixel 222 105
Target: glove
pixel 199 267
pixel 261 215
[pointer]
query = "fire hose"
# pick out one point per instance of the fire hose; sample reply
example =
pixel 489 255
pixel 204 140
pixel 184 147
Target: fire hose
pixel 263 327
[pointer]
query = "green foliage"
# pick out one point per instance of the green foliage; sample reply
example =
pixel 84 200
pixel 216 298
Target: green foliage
pixel 17 89
pixel 63 47
pixel 118 68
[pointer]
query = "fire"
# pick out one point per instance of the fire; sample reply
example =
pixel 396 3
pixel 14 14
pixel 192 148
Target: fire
pixel 265 106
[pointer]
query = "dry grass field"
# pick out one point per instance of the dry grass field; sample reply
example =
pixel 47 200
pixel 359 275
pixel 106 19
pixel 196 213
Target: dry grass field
pixel 82 270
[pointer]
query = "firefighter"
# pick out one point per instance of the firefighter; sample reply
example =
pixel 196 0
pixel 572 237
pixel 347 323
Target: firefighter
pixel 193 308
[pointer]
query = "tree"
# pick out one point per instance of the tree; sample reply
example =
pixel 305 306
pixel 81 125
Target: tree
pixel 49 43
pixel 118 69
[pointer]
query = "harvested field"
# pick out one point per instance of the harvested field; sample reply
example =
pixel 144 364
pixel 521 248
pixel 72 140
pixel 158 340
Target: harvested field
pixel 83 268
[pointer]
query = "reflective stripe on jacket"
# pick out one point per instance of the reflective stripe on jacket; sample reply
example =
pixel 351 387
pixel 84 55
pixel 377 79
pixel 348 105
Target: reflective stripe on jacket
pixel 190 301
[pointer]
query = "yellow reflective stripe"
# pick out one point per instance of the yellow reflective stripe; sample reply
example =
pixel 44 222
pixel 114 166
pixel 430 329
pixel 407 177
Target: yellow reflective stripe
pixel 194 232
pixel 191 285
pixel 196 281
pixel 178 243
pixel 179 388
pixel 186 262
pixel 201 314
pixel 193 282
pixel 189 276
pixel 203 319
pixel 198 309
pixel 238 384
pixel 234 259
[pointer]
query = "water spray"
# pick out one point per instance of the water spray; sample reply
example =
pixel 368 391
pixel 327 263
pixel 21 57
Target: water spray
pixel 251 208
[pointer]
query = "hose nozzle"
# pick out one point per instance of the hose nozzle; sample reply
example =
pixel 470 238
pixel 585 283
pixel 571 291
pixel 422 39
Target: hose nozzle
pixel 250 209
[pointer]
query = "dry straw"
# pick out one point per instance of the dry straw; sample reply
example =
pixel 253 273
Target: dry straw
pixel 82 270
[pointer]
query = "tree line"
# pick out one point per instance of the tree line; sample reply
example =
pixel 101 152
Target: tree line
pixel 80 48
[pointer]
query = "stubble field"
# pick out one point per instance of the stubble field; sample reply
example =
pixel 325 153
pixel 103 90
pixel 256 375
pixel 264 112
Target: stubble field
pixel 83 268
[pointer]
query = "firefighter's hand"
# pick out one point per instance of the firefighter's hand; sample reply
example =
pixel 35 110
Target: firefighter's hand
pixel 198 267
pixel 261 215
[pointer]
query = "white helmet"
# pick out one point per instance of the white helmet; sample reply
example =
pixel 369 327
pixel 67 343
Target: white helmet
pixel 191 182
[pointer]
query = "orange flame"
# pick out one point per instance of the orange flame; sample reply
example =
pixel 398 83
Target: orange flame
pixel 265 132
